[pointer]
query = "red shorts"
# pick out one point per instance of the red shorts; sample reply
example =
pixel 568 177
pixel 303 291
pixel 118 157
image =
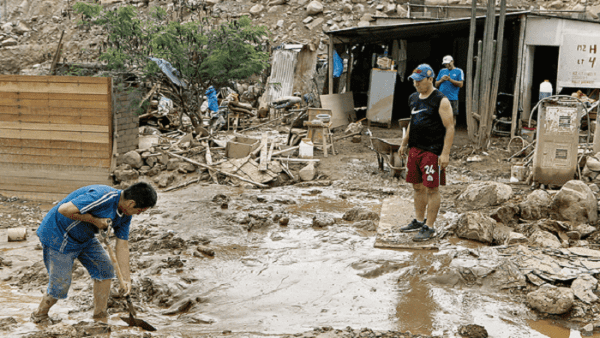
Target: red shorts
pixel 422 167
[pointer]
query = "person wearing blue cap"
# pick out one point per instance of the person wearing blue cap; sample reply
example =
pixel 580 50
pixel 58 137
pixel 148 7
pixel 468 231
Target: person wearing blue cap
pixel 428 139
pixel 450 80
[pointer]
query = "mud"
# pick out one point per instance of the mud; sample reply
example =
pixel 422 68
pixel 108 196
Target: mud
pixel 215 260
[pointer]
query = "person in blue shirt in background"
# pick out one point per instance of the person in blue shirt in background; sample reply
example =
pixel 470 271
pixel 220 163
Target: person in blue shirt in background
pixel 449 81
pixel 68 232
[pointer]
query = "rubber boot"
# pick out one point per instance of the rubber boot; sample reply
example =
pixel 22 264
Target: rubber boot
pixel 101 293
pixel 41 314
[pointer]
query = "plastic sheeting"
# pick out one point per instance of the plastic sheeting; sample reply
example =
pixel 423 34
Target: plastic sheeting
pixel 170 71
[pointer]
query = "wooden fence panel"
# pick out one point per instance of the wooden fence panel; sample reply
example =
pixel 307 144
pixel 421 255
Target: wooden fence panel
pixel 55 134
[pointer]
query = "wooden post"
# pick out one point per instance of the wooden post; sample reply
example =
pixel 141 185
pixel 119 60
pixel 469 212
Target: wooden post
pixel 497 68
pixel 471 124
pixel 475 98
pixel 517 94
pixel 57 54
pixel 486 70
pixel 330 65
pixel 349 69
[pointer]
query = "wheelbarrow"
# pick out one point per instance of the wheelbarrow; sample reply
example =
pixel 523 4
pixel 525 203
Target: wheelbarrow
pixel 387 152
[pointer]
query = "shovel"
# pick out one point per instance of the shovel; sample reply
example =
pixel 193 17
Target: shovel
pixel 131 320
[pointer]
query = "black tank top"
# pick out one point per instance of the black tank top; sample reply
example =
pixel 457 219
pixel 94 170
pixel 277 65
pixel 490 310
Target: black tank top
pixel 427 130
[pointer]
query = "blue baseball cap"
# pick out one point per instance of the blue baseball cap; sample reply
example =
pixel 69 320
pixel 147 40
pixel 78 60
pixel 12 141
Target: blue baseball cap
pixel 422 72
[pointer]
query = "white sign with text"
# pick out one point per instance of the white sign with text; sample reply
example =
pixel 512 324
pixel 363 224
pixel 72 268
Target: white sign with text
pixel 578 61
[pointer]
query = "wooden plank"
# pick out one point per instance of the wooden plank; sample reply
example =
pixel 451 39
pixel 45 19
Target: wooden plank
pixel 88 137
pixel 54 87
pixel 53 127
pixel 54 96
pixel 263 153
pixel 53 103
pixel 471 125
pixel 52 171
pixel 80 176
pixel 65 153
pixel 56 188
pixel 54 79
pixel 101 120
pixel 517 92
pixel 48 144
pixel 34 196
pixel 53 111
pixel 68 185
pixel 70 161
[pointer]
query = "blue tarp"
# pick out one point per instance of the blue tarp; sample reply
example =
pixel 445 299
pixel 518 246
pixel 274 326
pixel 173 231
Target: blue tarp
pixel 338 65
pixel 170 71
pixel 213 103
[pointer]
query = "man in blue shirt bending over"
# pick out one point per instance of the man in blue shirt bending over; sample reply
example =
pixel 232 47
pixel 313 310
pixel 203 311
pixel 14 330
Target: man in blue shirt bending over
pixel 68 233
pixel 449 81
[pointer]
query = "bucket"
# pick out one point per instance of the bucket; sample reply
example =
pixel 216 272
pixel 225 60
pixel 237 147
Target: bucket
pixel 517 173
pixel 17 234
pixel 528 134
pixel 306 148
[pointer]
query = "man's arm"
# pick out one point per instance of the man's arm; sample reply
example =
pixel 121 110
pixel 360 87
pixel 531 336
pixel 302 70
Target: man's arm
pixel 122 249
pixel 69 210
pixel 458 84
pixel 448 121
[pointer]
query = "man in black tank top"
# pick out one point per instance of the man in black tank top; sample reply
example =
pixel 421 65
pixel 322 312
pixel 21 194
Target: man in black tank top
pixel 429 139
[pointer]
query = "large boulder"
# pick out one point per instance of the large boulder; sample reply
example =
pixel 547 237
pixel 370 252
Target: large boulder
pixel 476 226
pixel 125 173
pixel 543 239
pixel 536 206
pixel 314 7
pixel 133 158
pixel 482 195
pixel 257 9
pixel 551 299
pixel 575 202
pixel 308 173
pixel 360 214
pixel 583 288
pixel 507 214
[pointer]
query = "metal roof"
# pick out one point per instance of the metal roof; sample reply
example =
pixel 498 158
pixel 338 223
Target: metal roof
pixel 374 34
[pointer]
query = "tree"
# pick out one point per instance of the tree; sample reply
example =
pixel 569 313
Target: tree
pixel 204 54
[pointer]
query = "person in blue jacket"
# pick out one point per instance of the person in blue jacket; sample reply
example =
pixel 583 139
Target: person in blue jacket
pixel 449 81
pixel 68 232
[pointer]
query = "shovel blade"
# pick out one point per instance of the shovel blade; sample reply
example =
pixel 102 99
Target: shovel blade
pixel 131 321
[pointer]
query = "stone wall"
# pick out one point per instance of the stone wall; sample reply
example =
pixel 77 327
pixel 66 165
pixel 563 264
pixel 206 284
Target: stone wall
pixel 126 121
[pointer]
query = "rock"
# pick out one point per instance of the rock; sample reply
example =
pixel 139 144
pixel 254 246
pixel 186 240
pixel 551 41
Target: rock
pixel 476 226
pixel 594 188
pixel 307 20
pixel 507 214
pixel 334 27
pixel 575 202
pixel 173 164
pixel 347 8
pixel 543 238
pixel 276 3
pixel 151 161
pixel 316 23
pixel 187 167
pixel 9 42
pixel 156 170
pixel 165 179
pixel 584 230
pixel 125 173
pixel 257 9
pixel 7 27
pixel 322 221
pixel 583 288
pixel 536 206
pixel 390 8
pixel 551 299
pixel 363 24
pixel 485 194
pixel 515 238
pixel 360 214
pixel 500 234
pixel 308 173
pixel 472 331
pixel 558 4
pixel 284 221
pixel 314 7
pixel 578 8
pixel 401 11
pixel 359 8
pixel 133 158
pixel 366 225
pixel 367 17
pixel 211 3
pixel 21 28
pixel 588 329
pixel 280 23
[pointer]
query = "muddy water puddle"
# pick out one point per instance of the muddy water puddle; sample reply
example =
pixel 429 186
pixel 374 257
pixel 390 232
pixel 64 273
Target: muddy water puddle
pixel 285 280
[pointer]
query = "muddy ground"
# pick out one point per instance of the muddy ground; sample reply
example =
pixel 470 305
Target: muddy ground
pixel 269 279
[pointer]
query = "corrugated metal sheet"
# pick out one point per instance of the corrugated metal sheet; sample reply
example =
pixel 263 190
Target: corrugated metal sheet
pixel 282 74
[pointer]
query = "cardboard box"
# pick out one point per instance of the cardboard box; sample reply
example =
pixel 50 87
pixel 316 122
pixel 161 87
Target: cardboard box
pixel 239 147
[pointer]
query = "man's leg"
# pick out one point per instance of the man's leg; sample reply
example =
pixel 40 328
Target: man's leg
pixel 59 267
pixel 433 205
pixel 42 311
pixel 101 270
pixel 421 201
pixel 101 292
